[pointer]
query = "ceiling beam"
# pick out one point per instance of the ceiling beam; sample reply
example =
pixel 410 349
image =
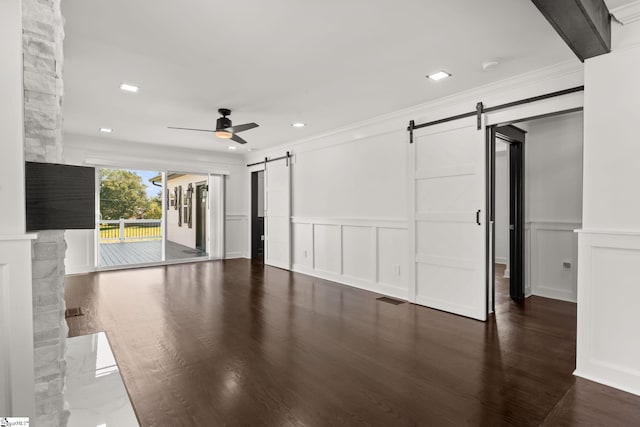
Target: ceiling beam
pixel 585 25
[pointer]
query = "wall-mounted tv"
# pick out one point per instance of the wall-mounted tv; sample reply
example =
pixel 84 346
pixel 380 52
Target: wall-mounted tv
pixel 59 197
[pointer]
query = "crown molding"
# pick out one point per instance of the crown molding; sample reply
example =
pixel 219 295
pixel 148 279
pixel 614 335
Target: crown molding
pixel 491 94
pixel 628 13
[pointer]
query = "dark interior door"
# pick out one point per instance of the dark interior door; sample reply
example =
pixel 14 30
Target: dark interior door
pixel 515 138
pixel 201 217
pixel 257 218
pixel 516 221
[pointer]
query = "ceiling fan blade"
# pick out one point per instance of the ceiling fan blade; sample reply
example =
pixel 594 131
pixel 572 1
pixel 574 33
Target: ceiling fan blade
pixel 237 139
pixel 199 130
pixel 242 128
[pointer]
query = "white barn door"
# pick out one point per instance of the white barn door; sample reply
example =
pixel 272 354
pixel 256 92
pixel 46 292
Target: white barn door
pixel 447 182
pixel 277 205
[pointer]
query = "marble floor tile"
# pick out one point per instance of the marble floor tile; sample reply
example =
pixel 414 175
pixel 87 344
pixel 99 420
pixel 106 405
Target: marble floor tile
pixel 95 392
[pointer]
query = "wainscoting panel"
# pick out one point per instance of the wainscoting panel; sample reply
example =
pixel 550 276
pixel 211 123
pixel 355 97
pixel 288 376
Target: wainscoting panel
pixel 302 238
pixel 365 253
pixel 392 258
pixel 358 252
pixel 235 236
pixel 327 248
pixel 608 350
pixel 16 327
pixel 554 259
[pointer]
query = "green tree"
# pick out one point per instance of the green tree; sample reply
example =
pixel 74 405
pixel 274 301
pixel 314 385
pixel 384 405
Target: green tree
pixel 122 194
pixel 155 207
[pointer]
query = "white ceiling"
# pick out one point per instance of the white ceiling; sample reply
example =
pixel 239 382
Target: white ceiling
pixel 327 63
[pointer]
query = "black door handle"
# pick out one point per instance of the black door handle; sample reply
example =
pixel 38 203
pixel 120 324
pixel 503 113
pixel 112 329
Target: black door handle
pixel 478 217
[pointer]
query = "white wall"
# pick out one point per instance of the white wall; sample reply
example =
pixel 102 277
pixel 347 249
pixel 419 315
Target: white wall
pixel 349 197
pixel 183 234
pixel 260 185
pixel 12 221
pixel 553 206
pixel 110 152
pixel 16 315
pixel 346 199
pixel 502 205
pixel 608 349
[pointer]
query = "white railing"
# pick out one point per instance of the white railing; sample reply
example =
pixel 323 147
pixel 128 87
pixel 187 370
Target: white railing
pixel 122 230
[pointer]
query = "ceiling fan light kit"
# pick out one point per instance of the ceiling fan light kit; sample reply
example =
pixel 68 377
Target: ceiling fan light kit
pixel 224 127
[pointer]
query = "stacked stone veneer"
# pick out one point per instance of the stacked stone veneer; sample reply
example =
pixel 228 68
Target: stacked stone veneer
pixel 43 35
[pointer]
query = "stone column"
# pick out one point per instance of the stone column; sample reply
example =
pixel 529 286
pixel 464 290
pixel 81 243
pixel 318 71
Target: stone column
pixel 43 36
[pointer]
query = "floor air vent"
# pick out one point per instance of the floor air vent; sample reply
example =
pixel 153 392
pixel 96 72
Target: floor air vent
pixel 390 300
pixel 73 312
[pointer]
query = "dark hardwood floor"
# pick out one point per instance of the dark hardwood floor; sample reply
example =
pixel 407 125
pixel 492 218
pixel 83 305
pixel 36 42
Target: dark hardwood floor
pixel 234 344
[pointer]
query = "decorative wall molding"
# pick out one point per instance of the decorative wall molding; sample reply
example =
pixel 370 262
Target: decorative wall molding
pixel 554 281
pixel 356 222
pixel 16 326
pixel 556 77
pixel 608 232
pixel 628 13
pixel 367 253
pixel 609 268
pixel 236 230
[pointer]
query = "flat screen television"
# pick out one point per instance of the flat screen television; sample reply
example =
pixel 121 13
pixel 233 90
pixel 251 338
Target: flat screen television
pixel 59 197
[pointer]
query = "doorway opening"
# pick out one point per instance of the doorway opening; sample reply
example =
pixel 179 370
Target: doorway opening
pixel 257 215
pixel 536 204
pixel 156 217
pixel 187 231
pixel 130 217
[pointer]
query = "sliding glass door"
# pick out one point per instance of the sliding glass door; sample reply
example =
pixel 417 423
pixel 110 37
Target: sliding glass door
pixel 130 217
pixel 151 217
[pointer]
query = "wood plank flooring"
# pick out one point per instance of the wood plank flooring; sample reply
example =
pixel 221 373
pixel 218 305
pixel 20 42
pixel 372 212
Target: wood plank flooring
pixel 233 343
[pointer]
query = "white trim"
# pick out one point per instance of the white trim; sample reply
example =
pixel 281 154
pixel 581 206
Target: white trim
pixel 607 381
pixel 159 165
pixel 235 217
pixel 557 77
pixel 242 218
pixel 18 237
pixel 542 289
pixel 353 222
pixel 378 288
pixel 628 13
pixel 608 232
pixel 590 362
pixel 370 279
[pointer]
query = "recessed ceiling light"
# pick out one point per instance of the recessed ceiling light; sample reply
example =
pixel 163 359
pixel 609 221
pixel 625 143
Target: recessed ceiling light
pixel 129 88
pixel 106 130
pixel 439 75
pixel 298 125
pixel 231 147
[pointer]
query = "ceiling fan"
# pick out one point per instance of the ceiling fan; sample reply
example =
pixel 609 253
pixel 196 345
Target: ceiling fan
pixel 224 128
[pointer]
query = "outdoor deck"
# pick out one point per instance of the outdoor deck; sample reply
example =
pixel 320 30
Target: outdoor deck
pixel 130 253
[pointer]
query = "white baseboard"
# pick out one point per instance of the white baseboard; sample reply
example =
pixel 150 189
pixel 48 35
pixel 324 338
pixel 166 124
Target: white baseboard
pixel 379 288
pixel 234 255
pixel 554 294
pixel 607 382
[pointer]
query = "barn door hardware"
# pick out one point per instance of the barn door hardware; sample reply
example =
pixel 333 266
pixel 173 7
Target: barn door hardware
pixel 479 111
pixel 412 125
pixel 268 160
